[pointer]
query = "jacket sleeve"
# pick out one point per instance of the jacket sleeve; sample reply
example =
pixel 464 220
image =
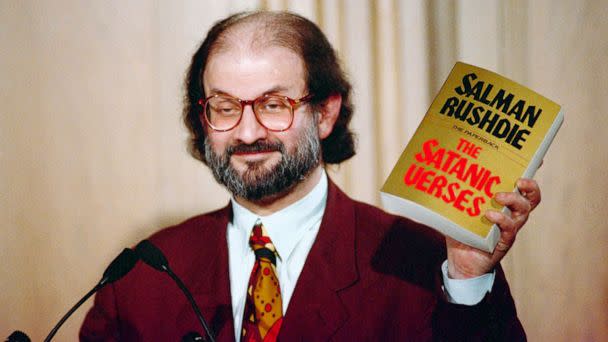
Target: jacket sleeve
pixel 493 319
pixel 101 322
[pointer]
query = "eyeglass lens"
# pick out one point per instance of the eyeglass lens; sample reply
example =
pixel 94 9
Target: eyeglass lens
pixel 273 112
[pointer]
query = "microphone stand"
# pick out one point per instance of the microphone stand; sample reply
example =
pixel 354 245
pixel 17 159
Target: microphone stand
pixel 197 311
pixel 69 313
pixel 154 257
pixel 117 269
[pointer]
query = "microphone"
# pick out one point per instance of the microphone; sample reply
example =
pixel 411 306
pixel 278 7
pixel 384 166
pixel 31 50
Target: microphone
pixel 117 269
pixel 153 256
pixel 20 336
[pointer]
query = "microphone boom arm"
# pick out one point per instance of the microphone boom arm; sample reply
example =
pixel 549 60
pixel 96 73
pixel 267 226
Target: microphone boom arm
pixel 154 257
pixel 118 268
pixel 69 313
pixel 184 289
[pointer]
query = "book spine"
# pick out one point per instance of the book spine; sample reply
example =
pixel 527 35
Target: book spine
pixel 537 159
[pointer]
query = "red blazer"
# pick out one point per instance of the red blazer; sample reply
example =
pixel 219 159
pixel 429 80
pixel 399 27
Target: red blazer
pixel 370 276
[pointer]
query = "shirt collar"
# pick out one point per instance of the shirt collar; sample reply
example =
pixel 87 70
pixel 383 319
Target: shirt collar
pixel 286 226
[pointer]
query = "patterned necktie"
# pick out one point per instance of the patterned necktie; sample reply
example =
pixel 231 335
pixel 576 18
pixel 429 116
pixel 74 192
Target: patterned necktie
pixel 264 307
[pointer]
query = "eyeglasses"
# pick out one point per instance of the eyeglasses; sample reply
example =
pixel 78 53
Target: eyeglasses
pixel 275 112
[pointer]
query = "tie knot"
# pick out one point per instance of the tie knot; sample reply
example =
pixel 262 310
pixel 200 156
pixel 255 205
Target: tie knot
pixel 261 244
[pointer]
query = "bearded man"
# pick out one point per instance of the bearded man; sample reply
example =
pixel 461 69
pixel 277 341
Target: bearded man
pixel 292 257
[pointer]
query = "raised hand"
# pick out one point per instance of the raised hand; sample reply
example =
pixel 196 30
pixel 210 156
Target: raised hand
pixel 467 262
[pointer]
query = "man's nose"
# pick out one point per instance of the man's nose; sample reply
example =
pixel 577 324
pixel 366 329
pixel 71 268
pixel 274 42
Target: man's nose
pixel 249 130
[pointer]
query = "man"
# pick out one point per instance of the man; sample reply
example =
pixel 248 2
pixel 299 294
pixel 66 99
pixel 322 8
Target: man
pixel 292 257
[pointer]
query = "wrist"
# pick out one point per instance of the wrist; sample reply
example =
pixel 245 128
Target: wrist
pixel 464 272
pixel 466 291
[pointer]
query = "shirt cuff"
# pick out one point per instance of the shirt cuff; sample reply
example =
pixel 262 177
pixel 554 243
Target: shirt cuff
pixel 466 291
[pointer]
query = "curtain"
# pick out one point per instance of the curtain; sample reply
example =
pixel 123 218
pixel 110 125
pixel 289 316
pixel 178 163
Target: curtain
pixel 93 152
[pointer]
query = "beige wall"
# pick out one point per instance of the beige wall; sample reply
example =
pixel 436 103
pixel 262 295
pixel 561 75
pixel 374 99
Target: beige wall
pixel 92 150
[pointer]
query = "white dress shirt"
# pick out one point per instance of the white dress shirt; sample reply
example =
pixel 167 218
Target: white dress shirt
pixel 293 231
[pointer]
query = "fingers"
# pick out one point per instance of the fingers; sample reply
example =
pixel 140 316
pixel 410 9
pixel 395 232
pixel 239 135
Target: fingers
pixel 518 204
pixel 522 203
pixel 504 222
pixel 530 190
pixel 508 229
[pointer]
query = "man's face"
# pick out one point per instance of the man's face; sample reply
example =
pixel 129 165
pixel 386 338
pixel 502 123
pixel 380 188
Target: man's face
pixel 251 161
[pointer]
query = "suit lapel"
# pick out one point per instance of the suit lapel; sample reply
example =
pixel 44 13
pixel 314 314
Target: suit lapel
pixel 212 290
pixel 316 311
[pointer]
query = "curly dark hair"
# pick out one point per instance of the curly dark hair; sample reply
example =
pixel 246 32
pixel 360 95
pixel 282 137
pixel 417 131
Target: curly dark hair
pixel 324 75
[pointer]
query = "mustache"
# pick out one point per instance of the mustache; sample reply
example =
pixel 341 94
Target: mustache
pixel 258 146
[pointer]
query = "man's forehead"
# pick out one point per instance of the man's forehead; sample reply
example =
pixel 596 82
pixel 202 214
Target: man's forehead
pixel 244 72
pixel 242 54
pixel 248 35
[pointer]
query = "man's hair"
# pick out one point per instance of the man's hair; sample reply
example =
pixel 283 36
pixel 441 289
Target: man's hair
pixel 324 76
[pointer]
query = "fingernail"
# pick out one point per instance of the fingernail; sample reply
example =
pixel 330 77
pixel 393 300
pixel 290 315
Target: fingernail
pixel 500 198
pixel 492 215
pixel 496 204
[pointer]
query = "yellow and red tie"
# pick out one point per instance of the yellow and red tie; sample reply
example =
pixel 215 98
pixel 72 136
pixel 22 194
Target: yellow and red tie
pixel 264 307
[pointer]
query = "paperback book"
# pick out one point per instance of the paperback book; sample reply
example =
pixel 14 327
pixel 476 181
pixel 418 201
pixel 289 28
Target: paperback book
pixel 481 134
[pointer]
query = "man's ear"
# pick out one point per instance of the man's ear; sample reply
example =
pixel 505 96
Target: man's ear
pixel 328 115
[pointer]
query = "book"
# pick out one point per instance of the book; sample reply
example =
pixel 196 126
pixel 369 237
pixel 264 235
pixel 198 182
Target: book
pixel 481 134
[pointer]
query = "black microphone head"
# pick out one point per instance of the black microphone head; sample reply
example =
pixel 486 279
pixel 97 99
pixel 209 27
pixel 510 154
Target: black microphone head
pixel 120 266
pixel 18 336
pixel 151 255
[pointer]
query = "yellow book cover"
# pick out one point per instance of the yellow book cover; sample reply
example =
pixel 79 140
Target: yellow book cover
pixel 480 135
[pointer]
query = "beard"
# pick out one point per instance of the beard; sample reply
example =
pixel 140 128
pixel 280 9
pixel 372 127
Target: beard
pixel 259 182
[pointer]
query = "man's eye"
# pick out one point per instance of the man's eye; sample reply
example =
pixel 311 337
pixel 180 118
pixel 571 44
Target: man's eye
pixel 225 109
pixel 273 106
